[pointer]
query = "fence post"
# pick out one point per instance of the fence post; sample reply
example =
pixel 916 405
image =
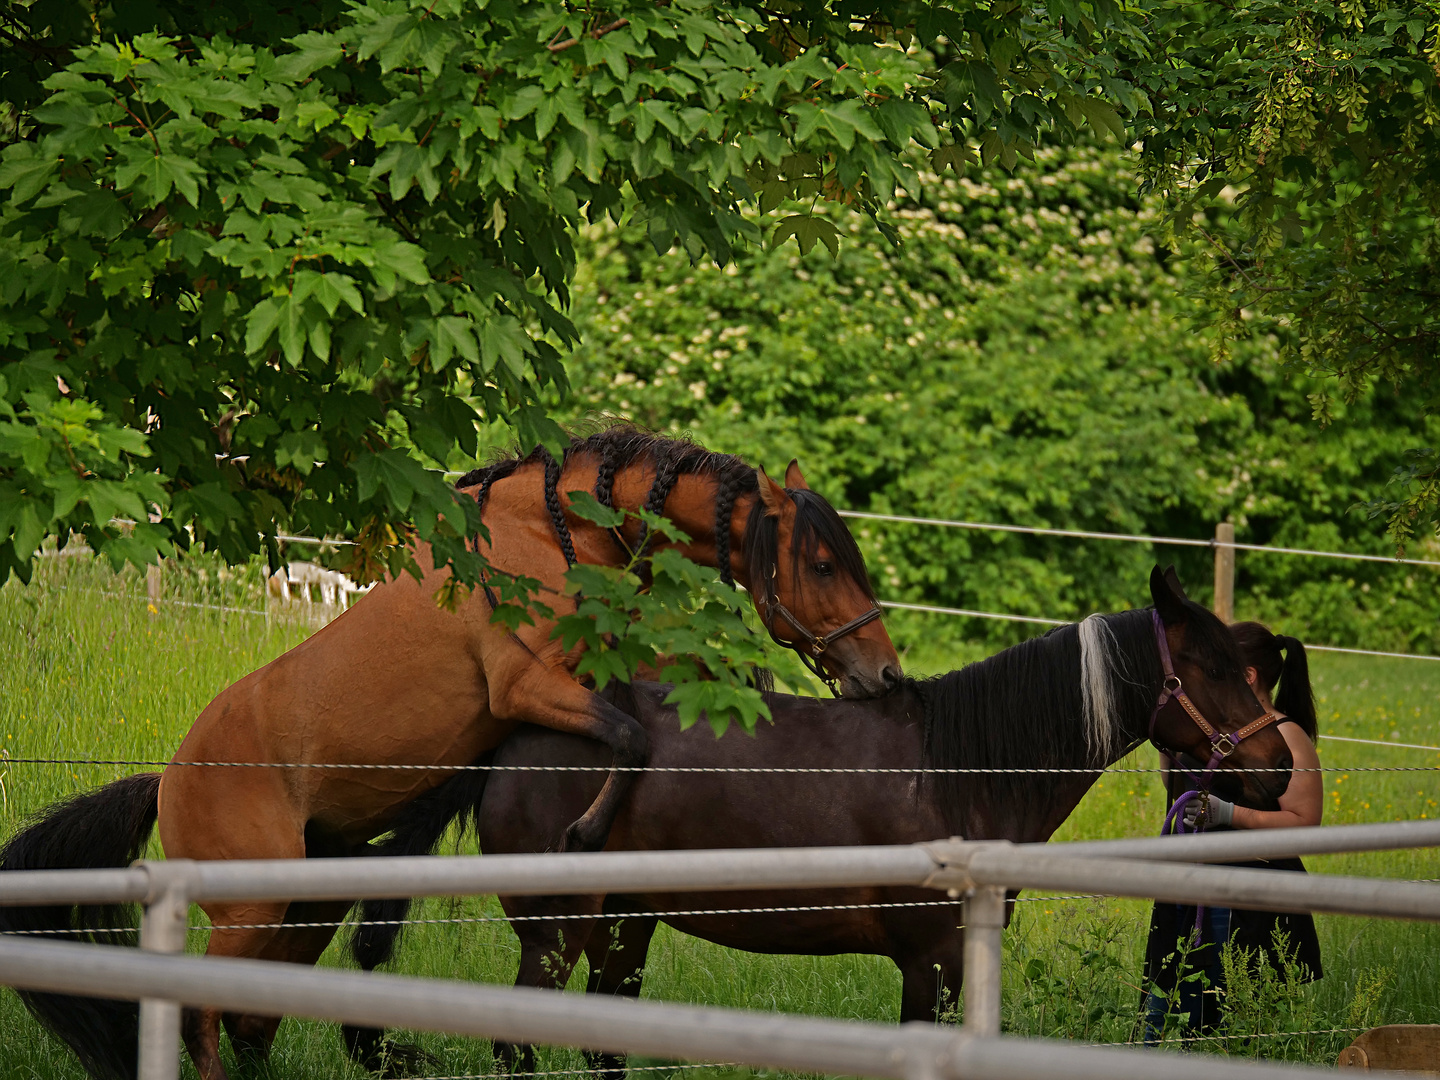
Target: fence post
pixel 152 582
pixel 162 929
pixel 1225 571
pixel 984 923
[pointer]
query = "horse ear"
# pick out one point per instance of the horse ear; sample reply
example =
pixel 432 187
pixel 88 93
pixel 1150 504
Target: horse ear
pixel 793 479
pixel 1168 595
pixel 771 493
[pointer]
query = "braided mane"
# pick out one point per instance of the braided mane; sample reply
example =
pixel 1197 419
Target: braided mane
pixel 617 447
pixel 621 445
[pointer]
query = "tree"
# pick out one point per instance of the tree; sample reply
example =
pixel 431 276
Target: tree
pixel 1298 146
pixel 261 268
pixel 1025 358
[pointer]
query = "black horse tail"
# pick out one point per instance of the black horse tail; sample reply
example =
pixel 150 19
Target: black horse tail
pixel 105 828
pixel 416 831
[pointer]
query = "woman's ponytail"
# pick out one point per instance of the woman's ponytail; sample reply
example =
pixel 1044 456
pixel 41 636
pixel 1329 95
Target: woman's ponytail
pixel 1295 698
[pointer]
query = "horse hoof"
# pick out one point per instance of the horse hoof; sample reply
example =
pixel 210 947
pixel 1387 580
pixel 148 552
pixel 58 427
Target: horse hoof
pixel 406 1059
pixel 372 1051
pixel 514 1057
pixel 606 1066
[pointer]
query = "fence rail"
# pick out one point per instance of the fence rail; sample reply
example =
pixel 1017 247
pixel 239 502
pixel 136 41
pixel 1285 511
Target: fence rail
pixel 980 872
pixel 912 1051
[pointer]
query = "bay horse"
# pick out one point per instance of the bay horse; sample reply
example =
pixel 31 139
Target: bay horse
pixel 399 679
pixel 1081 696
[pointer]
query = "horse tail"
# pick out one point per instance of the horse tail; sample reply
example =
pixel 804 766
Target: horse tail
pixel 416 831
pixel 105 828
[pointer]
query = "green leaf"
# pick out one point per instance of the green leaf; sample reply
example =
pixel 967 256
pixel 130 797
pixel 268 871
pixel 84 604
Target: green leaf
pixel 1102 116
pixel 260 324
pixel 807 229
pixel 955 156
pixel 584 505
pixel 503 339
pixel 25 172
pixel 292 330
pixel 393 470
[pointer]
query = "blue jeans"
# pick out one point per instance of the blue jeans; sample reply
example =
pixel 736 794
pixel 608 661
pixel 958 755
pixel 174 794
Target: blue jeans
pixel 1199 1004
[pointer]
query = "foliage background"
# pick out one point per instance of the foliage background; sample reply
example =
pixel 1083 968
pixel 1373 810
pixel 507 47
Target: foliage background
pixel 1027 357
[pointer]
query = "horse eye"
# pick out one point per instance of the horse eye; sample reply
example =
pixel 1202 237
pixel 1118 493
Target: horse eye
pixel 824 569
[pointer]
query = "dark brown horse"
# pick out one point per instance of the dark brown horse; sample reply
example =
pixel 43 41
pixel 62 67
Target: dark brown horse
pixel 1080 696
pixel 399 680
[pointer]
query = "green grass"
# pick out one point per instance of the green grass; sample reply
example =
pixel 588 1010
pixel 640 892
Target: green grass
pixel 88 670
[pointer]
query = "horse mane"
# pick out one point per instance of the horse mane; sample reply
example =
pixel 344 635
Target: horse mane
pixel 1074 697
pixel 1078 696
pixel 620 444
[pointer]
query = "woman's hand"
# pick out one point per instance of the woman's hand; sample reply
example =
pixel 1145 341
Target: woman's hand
pixel 1220 812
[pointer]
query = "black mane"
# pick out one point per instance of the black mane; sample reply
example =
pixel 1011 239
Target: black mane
pixel 1022 709
pixel 617 446
pixel 621 444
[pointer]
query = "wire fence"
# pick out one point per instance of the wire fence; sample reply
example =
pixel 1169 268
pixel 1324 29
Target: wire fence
pixel 900 605
pixel 917 770
pixel 1171 541
pixel 781 770
pixel 897 605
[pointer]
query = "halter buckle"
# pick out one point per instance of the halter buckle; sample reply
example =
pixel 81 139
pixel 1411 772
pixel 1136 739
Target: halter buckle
pixel 1224 746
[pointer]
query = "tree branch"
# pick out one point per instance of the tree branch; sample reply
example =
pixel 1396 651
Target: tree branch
pixel 597 34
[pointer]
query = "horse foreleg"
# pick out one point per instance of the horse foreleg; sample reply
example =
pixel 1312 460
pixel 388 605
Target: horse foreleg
pixel 931 980
pixel 553 699
pixel 549 950
pixel 616 952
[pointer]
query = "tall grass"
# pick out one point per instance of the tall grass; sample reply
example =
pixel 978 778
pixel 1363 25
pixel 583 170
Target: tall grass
pixel 89 668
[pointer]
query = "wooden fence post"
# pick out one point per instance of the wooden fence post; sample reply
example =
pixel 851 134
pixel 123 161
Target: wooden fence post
pixel 152 583
pixel 1225 571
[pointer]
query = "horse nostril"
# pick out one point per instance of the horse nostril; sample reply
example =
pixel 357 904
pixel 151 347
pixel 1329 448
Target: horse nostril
pixel 891 676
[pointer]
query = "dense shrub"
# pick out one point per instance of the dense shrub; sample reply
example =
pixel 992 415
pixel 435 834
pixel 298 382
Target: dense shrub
pixel 1024 358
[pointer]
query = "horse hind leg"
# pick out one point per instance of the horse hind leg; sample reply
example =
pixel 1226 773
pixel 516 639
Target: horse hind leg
pixel 931 980
pixel 549 950
pixel 252 1036
pixel 232 814
pixel 244 930
pixel 552 699
pixel 616 952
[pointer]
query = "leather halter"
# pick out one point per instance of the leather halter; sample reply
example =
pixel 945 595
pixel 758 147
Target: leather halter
pixel 809 646
pixel 1222 743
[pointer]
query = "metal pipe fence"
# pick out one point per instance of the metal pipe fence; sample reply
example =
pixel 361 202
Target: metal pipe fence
pixel 980 872
pixel 914 1051
pixel 1138 865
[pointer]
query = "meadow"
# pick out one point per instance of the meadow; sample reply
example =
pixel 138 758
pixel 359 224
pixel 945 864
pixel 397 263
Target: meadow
pixel 90 668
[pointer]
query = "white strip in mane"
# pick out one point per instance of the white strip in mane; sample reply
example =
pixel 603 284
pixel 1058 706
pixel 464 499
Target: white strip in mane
pixel 1099 714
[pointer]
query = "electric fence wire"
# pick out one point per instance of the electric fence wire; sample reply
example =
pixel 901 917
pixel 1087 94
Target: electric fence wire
pixel 703 769
pixel 898 605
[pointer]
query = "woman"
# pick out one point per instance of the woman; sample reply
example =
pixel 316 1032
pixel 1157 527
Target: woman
pixel 1173 954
